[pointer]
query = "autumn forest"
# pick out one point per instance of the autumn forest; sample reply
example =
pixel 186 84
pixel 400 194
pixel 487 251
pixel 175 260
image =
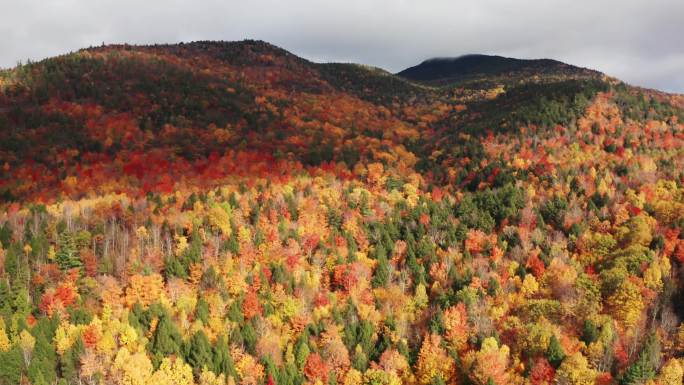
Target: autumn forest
pixel 227 213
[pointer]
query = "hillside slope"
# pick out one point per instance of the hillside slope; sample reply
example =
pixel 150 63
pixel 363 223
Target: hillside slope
pixel 227 212
pixel 475 69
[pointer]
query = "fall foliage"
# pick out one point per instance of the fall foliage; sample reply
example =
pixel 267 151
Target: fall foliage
pixel 228 213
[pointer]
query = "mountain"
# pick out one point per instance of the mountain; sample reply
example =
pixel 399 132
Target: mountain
pixel 98 108
pixel 474 68
pixel 228 212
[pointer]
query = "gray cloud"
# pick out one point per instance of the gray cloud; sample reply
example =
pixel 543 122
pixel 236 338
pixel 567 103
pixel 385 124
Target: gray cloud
pixel 638 41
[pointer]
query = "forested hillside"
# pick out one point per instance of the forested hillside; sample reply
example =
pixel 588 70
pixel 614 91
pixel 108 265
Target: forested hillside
pixel 220 213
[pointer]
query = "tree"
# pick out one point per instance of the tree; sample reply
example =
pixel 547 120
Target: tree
pixel 553 211
pixel 197 351
pixel 554 352
pixel 207 377
pixel 433 362
pixel 202 310
pixel 315 368
pixel 219 219
pixel 575 370
pixel 222 362
pixel 643 368
pixel 166 340
pixel 132 368
pixel 26 343
pixel 671 373
pixel 144 289
pixel 541 372
pixel 359 359
pixel 627 303
pixel 638 231
pixel 69 361
pixel 381 275
pixel 455 321
pixel 67 254
pixel 250 371
pixel 4 340
pixel 490 363
pixel 10 366
pixel 301 352
pixel 172 372
pixel 250 305
pixel 44 357
pixel 90 366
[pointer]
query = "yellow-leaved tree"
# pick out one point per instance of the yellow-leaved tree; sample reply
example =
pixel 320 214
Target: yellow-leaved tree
pixel 26 343
pixel 4 340
pixel 172 372
pixel 627 304
pixel 672 373
pixel 575 370
pixel 433 362
pixel 131 369
pixel 219 219
pixel 145 289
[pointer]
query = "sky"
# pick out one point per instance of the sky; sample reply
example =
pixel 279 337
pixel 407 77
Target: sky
pixel 638 41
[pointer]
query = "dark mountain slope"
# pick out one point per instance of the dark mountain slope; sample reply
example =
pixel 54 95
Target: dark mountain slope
pixel 473 68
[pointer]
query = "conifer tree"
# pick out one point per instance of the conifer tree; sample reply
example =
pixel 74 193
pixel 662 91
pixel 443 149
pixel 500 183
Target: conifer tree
pixel 222 362
pixel 67 254
pixel 69 361
pixel 165 341
pixel 554 352
pixel 202 310
pixel 197 351
pixel 10 366
pixel 381 274
pixel 643 368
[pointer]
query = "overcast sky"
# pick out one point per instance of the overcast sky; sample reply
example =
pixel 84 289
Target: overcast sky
pixel 639 41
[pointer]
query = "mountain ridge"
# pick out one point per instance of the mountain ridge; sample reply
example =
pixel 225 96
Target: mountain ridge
pixel 117 99
pixel 459 69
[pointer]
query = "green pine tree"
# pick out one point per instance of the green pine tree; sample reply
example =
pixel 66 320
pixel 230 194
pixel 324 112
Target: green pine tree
pixel 554 352
pixel 165 341
pixel 67 253
pixel 44 362
pixel 197 351
pixel 11 363
pixel 69 361
pixel 301 352
pixel 249 337
pixel 222 363
pixel 359 359
pixel 644 367
pixel 381 275
pixel 202 310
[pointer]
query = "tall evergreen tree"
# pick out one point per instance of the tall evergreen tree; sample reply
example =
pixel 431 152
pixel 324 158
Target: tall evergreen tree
pixel 554 352
pixel 222 362
pixel 197 351
pixel 202 310
pixel 381 275
pixel 67 254
pixel 165 341
pixel 10 366
pixel 69 362
pixel 44 361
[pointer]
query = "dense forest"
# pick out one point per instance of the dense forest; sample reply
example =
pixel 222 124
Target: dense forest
pixel 221 213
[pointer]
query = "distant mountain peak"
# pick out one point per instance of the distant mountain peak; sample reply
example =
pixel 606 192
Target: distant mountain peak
pixel 470 67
